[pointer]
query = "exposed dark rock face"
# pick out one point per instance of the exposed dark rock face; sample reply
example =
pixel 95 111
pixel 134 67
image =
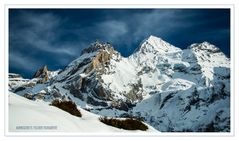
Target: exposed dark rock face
pixel 42 73
pixel 29 96
pixel 93 101
pixel 19 89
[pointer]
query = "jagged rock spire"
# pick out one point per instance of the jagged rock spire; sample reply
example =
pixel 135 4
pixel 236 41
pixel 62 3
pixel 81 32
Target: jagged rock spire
pixel 42 73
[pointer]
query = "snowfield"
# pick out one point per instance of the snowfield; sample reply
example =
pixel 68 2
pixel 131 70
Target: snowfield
pixel 37 116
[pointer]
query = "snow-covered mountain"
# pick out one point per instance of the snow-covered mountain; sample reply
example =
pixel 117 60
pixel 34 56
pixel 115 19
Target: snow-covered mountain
pixel 169 88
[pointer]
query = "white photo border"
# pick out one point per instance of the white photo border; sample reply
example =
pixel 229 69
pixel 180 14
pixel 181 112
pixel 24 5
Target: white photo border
pixel 122 6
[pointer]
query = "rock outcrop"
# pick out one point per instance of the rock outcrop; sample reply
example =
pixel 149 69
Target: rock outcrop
pixel 43 74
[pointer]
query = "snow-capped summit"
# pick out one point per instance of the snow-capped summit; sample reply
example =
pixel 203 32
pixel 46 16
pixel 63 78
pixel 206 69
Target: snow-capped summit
pixel 206 53
pixel 153 43
pixel 204 46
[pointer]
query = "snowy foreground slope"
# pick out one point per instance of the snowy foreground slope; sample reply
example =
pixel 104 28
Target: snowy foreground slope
pixel 39 116
pixel 171 89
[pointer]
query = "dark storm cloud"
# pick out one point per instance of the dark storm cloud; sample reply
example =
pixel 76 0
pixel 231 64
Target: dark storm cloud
pixel 55 37
pixel 41 32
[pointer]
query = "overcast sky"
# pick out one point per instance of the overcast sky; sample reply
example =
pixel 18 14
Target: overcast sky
pixel 55 37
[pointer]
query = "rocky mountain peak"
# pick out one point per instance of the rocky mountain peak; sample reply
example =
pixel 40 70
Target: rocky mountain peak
pixel 42 73
pixel 102 53
pixel 98 46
